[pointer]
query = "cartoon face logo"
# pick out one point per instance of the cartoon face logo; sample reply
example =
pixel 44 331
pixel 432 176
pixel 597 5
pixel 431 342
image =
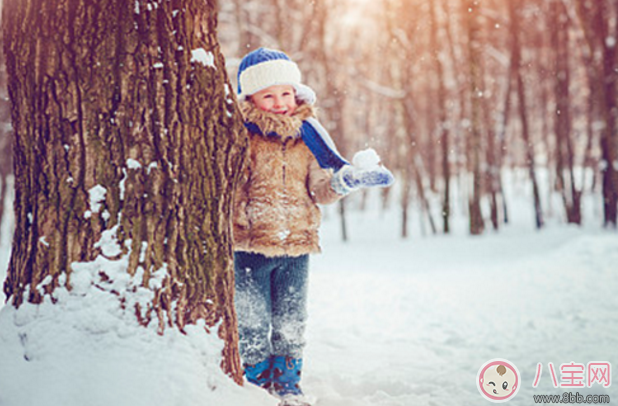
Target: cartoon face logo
pixel 498 380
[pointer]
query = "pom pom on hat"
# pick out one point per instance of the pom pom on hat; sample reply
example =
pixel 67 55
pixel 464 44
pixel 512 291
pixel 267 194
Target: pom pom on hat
pixel 265 67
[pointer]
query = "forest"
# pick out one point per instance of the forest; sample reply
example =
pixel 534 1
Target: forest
pixel 449 92
pixel 455 92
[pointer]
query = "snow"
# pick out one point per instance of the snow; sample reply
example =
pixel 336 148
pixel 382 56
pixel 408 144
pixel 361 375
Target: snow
pixel 392 322
pixel 367 170
pixel 133 164
pixel 75 364
pixel 411 322
pixel 205 58
pixel 97 197
pixel 366 159
pixel 108 243
pixel 152 165
pixel 122 182
pixel 157 277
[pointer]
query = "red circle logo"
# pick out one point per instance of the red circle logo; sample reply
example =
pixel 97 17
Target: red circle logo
pixel 498 380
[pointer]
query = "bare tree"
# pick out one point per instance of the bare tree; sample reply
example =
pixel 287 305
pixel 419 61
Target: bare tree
pixel 594 19
pixel 6 136
pixel 565 154
pixel 443 124
pixel 471 11
pixel 523 109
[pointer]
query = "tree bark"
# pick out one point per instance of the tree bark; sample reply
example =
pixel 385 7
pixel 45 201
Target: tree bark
pixel 594 18
pixel 562 124
pixel 609 137
pixel 474 135
pixel 523 112
pixel 6 137
pixel 125 129
pixel 443 123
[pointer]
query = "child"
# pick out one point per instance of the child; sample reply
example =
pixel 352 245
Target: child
pixel 276 218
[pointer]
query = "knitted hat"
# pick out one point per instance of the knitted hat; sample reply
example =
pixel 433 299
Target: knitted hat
pixel 265 67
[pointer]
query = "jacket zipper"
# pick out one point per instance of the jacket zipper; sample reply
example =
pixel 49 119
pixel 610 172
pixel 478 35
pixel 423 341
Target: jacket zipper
pixel 284 165
pixel 283 151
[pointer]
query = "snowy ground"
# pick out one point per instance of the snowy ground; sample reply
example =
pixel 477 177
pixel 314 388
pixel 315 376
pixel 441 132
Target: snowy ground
pixel 392 322
pixel 411 322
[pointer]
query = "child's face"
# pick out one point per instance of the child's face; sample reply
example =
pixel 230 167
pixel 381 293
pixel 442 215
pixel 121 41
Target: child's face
pixel 277 99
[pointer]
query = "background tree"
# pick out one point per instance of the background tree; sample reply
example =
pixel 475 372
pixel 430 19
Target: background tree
pixel 127 146
pixel 563 128
pixel 442 125
pixel 596 19
pixel 522 104
pixel 471 11
pixel 6 136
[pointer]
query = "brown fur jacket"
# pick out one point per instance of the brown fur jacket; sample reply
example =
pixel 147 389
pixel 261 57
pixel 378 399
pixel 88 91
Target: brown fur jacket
pixel 275 207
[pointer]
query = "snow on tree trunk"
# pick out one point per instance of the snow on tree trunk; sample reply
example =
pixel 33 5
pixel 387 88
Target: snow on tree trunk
pixel 127 146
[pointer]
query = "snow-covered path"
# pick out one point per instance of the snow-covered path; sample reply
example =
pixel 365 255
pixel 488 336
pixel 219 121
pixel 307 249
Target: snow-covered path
pixel 410 323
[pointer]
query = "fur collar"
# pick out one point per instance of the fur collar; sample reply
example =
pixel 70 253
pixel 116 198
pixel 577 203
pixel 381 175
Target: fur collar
pixel 276 124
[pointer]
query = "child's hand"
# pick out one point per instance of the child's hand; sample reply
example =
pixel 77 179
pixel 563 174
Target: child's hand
pixel 366 172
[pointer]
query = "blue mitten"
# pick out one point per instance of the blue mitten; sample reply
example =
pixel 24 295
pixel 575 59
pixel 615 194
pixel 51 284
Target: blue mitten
pixel 350 178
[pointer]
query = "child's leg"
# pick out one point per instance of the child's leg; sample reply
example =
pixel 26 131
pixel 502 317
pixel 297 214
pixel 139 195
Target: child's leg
pixel 253 305
pixel 289 302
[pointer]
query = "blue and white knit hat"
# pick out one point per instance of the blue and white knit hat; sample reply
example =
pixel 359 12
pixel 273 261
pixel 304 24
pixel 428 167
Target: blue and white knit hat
pixel 265 67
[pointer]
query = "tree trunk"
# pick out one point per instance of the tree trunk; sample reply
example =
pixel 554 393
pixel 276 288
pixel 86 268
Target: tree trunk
pixel 6 137
pixel 443 124
pixel 420 188
pixel 125 132
pixel 492 173
pixel 244 35
pixel 405 201
pixel 562 124
pixel 501 136
pixel 594 18
pixel 523 111
pixel 609 137
pixel 472 10
pixel 336 111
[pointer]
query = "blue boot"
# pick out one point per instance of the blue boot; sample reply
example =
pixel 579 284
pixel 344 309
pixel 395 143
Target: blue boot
pixel 286 376
pixel 259 374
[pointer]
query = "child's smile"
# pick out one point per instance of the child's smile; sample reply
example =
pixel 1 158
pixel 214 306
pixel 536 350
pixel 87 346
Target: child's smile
pixel 277 99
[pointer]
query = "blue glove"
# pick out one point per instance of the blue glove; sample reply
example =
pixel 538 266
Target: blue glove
pixel 350 178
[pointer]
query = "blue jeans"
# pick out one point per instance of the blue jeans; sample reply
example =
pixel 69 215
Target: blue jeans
pixel 271 301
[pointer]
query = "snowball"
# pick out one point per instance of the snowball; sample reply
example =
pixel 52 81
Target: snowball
pixel 366 159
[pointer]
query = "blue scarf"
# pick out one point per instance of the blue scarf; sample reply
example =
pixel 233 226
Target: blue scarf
pixel 317 140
